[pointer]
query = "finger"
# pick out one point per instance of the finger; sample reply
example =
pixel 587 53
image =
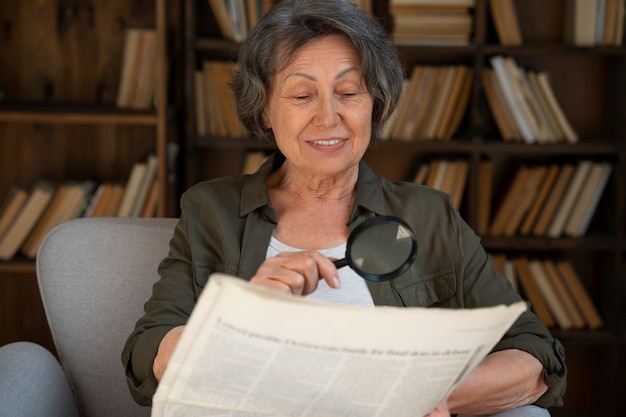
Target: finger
pixel 299 271
pixel 282 273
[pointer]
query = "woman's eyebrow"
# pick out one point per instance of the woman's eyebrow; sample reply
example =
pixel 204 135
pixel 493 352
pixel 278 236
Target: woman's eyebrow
pixel 312 78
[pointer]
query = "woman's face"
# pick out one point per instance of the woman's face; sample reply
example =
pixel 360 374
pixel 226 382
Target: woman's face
pixel 320 109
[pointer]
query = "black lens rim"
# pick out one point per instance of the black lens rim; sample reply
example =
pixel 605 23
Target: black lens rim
pixel 366 225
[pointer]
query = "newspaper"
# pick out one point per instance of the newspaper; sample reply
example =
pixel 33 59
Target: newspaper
pixel 249 351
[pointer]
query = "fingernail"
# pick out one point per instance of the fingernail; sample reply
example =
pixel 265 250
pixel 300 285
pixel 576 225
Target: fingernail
pixel 336 282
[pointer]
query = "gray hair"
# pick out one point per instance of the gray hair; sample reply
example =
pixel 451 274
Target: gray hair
pixel 272 43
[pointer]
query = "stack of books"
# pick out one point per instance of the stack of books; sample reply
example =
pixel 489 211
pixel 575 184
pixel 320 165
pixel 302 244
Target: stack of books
pixel 216 110
pixel 432 22
pixel 447 175
pixel 554 290
pixel 138 73
pixel 524 105
pixel 433 104
pixel 555 200
pixel 27 215
pixel 594 22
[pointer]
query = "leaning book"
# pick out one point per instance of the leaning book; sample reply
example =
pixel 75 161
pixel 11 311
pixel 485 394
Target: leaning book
pixel 249 351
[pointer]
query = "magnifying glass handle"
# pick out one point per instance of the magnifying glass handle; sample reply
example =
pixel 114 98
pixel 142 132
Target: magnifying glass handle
pixel 340 263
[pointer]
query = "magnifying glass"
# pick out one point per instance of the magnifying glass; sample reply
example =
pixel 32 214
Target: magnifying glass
pixel 379 249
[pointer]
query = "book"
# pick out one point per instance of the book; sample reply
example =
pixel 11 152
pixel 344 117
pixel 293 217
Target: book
pixel 411 99
pixel 458 104
pixel 565 127
pixel 94 200
pixel 556 194
pixel 532 292
pixel 556 281
pixel 550 296
pixel 58 206
pixel 579 294
pixel 105 192
pixel 117 195
pixel 432 23
pixel 147 179
pixel 224 72
pixel 506 75
pixel 67 203
pixel 506 22
pixel 216 112
pixel 529 194
pixel 127 86
pixel 553 133
pixel 440 101
pixel 588 199
pixel 151 204
pixel 436 173
pixel 38 199
pixel 424 109
pixel 449 173
pixel 392 121
pixel 607 22
pixel 542 194
pixel 11 206
pixel 132 187
pixel 580 22
pixel 224 20
pixel 570 199
pixel 511 200
pixel 146 70
pixel 297 333
pixel 498 106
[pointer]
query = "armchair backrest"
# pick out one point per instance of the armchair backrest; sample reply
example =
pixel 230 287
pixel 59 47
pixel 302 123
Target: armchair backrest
pixel 94 275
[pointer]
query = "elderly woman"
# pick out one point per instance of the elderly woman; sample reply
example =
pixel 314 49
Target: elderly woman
pixel 319 78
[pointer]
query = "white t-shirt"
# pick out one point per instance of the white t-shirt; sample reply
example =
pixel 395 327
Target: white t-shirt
pixel 353 288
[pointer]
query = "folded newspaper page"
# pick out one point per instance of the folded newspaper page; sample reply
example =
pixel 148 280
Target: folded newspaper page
pixel 249 351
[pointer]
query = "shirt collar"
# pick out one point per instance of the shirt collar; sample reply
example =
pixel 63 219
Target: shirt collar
pixel 254 193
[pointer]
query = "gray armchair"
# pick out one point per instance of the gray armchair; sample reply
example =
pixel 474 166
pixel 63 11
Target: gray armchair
pixel 94 275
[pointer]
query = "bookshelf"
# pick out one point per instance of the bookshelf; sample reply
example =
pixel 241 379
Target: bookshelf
pixel 590 84
pixel 58 119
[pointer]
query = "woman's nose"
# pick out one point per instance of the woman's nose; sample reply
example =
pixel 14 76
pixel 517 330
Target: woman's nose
pixel 327 111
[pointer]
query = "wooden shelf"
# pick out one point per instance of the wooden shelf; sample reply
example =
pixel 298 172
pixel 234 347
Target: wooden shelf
pixel 74 113
pixel 58 118
pixel 590 84
pixel 17 267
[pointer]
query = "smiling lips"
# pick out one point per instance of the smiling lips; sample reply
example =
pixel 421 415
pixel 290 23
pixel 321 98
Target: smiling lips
pixel 331 142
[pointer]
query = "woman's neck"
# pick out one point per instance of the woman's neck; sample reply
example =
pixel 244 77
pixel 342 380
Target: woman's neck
pixel 312 212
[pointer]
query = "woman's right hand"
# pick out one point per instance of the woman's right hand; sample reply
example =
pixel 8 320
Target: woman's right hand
pixel 296 272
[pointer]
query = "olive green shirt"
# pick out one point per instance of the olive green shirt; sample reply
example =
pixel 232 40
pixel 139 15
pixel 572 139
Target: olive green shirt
pixel 226 225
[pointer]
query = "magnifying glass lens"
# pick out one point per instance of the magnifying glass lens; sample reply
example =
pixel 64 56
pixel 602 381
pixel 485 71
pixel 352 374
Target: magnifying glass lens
pixel 380 248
